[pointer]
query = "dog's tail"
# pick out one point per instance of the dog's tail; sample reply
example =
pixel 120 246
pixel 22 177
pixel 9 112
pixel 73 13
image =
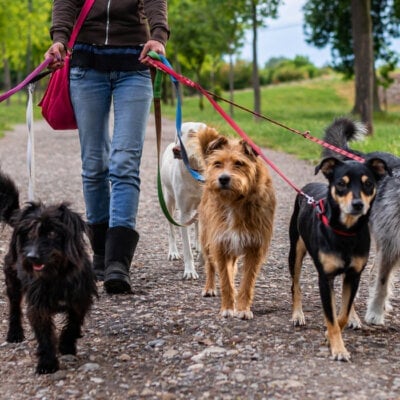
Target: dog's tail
pixel 9 199
pixel 344 130
pixel 340 133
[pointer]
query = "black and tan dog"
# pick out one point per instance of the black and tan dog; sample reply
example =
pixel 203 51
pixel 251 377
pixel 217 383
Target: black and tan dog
pixel 47 262
pixel 334 231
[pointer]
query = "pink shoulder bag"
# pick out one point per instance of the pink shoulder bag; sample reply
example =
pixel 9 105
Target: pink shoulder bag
pixel 56 103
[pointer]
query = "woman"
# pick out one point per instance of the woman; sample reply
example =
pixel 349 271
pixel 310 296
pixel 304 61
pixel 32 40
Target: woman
pixel 109 72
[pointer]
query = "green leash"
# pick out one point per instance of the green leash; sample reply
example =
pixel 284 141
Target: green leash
pixel 157 82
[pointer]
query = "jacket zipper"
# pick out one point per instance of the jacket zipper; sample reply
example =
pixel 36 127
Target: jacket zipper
pixel 108 20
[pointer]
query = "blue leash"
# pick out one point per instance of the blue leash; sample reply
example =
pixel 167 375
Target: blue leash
pixel 178 121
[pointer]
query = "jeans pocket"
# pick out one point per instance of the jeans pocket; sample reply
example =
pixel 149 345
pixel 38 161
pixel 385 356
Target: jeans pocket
pixel 144 73
pixel 77 73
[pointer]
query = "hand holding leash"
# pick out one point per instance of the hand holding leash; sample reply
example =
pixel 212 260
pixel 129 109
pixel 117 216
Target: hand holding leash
pixel 151 45
pixel 57 51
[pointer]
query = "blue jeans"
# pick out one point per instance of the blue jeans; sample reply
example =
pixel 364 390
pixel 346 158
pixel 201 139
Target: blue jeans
pixel 110 165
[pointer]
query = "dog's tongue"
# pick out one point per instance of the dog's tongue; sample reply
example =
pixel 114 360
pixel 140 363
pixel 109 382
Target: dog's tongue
pixel 38 267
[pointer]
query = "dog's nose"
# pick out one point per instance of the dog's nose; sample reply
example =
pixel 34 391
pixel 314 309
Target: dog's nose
pixel 224 180
pixel 357 204
pixel 33 256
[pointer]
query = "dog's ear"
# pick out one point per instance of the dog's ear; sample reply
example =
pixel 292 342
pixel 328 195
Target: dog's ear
pixel 205 137
pixel 216 144
pixel 378 167
pixel 77 229
pixel 248 150
pixel 176 150
pixel 72 220
pixel 327 166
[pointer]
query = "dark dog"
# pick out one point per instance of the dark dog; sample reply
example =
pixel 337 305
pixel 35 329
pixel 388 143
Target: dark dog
pixel 335 233
pixel 48 262
pixel 385 220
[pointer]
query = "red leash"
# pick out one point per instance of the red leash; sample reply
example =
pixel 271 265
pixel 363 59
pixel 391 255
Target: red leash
pixel 30 78
pixel 186 81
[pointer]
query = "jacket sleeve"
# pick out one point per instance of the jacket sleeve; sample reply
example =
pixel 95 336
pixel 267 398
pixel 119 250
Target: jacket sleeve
pixel 157 16
pixel 64 15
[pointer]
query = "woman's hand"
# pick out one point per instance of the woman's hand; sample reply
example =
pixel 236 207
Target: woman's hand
pixel 151 45
pixel 57 52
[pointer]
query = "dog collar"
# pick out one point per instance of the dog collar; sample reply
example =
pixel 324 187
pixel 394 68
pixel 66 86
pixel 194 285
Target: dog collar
pixel 321 214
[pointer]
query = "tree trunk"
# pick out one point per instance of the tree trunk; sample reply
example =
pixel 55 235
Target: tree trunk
pixel 363 60
pixel 256 78
pixel 231 84
pixel 376 101
pixel 6 74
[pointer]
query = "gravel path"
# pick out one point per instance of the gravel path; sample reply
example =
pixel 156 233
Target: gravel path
pixel 167 342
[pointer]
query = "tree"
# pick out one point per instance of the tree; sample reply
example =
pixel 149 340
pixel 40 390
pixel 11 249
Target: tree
pixel 363 60
pixel 329 22
pixel 256 13
pixel 24 36
pixel 203 30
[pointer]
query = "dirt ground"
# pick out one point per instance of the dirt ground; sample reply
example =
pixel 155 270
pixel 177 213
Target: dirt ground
pixel 167 342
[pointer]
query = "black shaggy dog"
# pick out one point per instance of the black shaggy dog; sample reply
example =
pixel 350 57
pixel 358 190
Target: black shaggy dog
pixel 336 235
pixel 48 262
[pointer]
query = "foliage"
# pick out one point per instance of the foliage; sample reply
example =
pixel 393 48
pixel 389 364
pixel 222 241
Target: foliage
pixel 328 22
pixel 304 106
pixel 24 29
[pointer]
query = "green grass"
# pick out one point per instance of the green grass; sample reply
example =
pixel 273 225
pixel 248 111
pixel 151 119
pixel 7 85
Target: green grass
pixel 306 106
pixel 13 111
pixel 302 106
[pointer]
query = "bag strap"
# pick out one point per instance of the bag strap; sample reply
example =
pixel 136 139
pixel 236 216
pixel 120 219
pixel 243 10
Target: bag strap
pixel 79 22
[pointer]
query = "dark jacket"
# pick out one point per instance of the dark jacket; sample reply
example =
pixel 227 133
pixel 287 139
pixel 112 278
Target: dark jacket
pixel 112 22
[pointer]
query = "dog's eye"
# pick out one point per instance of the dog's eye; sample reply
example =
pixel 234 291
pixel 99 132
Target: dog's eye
pixel 51 235
pixel 217 164
pixel 341 185
pixel 368 185
pixel 239 164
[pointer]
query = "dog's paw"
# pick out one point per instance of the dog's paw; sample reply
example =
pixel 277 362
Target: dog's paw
pixel 209 293
pixel 15 336
pixel 298 318
pixel 374 318
pixel 47 366
pixel 190 274
pixel 227 313
pixel 343 355
pixel 354 322
pixel 245 314
pixel 172 256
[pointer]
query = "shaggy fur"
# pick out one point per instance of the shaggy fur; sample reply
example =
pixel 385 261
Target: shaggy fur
pixel 385 221
pixel 336 235
pixel 48 262
pixel 182 192
pixel 236 215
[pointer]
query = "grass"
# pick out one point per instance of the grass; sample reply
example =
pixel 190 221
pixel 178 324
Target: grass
pixel 305 106
pixel 13 111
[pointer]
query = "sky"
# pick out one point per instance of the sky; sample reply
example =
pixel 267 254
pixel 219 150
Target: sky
pixel 284 37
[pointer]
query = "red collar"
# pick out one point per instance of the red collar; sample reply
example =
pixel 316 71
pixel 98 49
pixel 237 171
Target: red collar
pixel 321 214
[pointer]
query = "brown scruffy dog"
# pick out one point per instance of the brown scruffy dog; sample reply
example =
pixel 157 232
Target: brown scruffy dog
pixel 47 262
pixel 236 215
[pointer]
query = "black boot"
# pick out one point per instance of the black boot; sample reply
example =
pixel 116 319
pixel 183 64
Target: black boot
pixel 120 245
pixel 97 237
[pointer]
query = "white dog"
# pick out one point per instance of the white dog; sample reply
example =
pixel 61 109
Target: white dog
pixel 182 193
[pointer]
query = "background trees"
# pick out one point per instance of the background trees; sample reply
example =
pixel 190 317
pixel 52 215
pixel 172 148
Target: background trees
pixel 337 23
pixel 24 36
